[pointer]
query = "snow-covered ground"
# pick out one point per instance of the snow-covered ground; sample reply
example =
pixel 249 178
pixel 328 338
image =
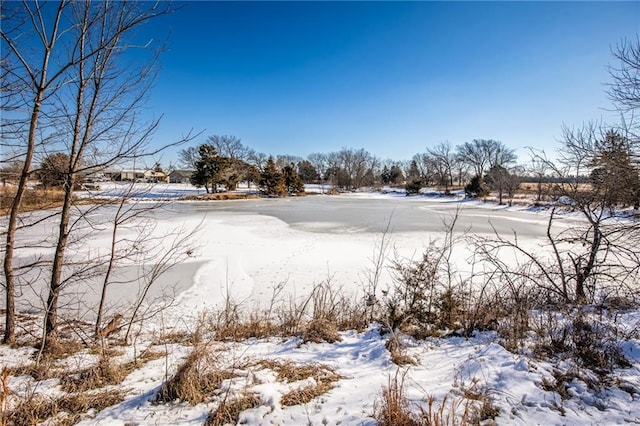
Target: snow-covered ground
pixel 247 253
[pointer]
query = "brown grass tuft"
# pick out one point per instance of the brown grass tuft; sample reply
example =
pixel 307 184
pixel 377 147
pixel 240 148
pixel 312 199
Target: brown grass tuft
pixel 228 412
pixel 149 355
pixel 32 199
pixel 59 348
pixel 220 196
pixel 42 370
pixel 324 376
pixel 241 330
pixel 397 352
pixel 106 372
pixel 38 408
pixel 194 381
pixel 393 409
pixel 321 330
pixel 306 394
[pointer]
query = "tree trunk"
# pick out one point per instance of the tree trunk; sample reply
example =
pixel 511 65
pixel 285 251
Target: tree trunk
pixel 55 285
pixel 10 319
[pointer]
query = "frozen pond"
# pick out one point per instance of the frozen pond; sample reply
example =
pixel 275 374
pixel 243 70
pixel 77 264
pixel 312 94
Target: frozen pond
pixel 247 249
pixel 365 213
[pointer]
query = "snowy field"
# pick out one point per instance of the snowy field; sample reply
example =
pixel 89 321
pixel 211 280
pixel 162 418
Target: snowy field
pixel 255 252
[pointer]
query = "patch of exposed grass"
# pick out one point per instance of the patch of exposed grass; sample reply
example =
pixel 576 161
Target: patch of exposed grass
pixel 228 412
pixel 65 410
pixel 32 199
pixel 179 337
pixel 397 352
pixel 321 330
pixel 306 394
pixel 149 355
pixel 196 379
pixel 220 196
pixel 324 376
pixel 106 372
pixel 238 331
pixel 393 408
pixel 59 348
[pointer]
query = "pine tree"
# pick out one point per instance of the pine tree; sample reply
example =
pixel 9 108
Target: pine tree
pixel 210 168
pixel 292 180
pixel 271 180
pixel 475 188
pixel 614 177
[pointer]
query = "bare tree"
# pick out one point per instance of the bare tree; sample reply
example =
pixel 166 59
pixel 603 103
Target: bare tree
pixel 229 146
pixel 100 107
pixel 26 83
pixel 443 160
pixel 257 159
pixel 593 257
pixel 482 154
pixel 538 169
pixel 625 88
pixel 188 157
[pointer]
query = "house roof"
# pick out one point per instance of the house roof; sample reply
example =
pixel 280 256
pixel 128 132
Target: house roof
pixel 185 173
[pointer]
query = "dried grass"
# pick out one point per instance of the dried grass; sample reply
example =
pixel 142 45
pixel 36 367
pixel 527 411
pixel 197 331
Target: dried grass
pixel 39 408
pixel 32 199
pixel 393 409
pixel 324 376
pixel 321 330
pixel 104 373
pixel 306 394
pixel 228 412
pixel 397 352
pixel 241 330
pixel 195 380
pixel 220 196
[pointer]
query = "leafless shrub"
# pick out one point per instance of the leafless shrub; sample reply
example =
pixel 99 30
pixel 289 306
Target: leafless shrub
pixel 428 294
pixel 590 343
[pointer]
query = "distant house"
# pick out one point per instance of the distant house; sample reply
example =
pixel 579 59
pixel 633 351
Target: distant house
pixel 155 176
pixel 180 176
pixel 148 175
pixel 132 175
pixel 112 174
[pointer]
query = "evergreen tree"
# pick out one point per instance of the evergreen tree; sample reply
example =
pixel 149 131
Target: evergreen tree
pixel 307 172
pixel 210 168
pixel 385 176
pixel 292 180
pixel 271 180
pixel 475 188
pixel 414 172
pixel 614 177
pixel 396 176
pixel 414 186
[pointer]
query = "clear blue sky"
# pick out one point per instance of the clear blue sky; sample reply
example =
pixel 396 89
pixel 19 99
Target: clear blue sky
pixel 389 77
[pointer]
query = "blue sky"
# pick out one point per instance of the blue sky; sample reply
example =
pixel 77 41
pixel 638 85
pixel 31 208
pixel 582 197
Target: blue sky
pixel 390 77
